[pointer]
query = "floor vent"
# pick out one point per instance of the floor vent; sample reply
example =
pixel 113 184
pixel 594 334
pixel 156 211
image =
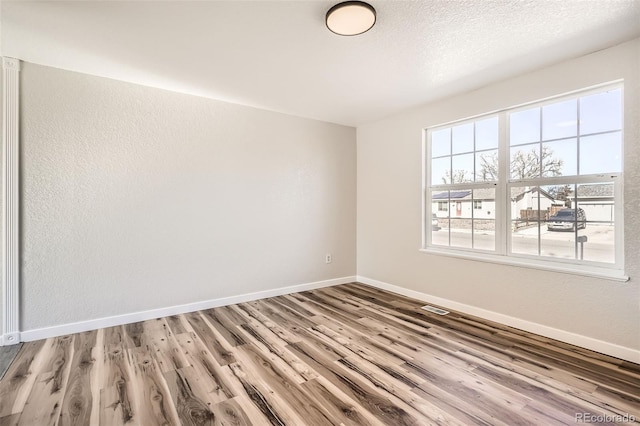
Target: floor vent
pixel 435 310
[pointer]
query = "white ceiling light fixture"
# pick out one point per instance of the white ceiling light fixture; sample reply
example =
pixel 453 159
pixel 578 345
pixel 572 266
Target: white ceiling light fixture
pixel 351 18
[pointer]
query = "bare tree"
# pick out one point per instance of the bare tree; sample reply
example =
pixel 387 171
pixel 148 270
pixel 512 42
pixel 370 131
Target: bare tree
pixel 489 166
pixel 458 176
pixel 560 192
pixel 524 165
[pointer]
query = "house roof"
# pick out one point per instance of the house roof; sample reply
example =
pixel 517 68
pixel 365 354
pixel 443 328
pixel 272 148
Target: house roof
pixel 478 194
pixel 518 194
pixel 279 56
pixel 604 190
pixel 454 195
pixel 601 190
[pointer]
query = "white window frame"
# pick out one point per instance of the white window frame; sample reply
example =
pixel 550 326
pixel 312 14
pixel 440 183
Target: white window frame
pixel 503 253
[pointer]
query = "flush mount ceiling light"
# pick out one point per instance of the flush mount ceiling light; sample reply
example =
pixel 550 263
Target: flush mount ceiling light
pixel 351 18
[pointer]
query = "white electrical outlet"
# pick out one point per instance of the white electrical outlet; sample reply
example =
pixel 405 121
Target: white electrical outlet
pixel 327 258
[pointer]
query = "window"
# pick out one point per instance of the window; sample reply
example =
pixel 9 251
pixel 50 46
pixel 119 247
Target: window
pixel 536 185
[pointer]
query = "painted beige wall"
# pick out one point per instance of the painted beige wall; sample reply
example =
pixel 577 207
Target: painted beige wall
pixel 389 211
pixel 137 198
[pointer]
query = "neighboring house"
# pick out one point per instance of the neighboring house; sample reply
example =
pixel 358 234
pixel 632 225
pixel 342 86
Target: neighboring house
pixel 597 201
pixel 478 204
pixel 524 203
pixel 481 204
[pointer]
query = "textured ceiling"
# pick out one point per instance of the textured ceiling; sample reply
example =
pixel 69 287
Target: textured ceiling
pixel 278 55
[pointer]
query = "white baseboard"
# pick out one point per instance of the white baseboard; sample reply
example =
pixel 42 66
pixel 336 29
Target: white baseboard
pixel 601 346
pixel 9 339
pixel 78 327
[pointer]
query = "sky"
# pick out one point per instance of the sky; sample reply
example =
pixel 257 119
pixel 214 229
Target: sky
pixel 584 132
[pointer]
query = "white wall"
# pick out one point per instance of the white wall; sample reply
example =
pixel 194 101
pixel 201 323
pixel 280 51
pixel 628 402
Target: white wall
pixel 137 198
pixel 389 212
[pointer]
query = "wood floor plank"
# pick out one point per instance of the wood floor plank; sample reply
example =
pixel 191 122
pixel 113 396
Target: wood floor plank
pixel 116 384
pixel 231 413
pixel 159 338
pixel 191 409
pixel 543 398
pixel 344 355
pixel 224 324
pixel 359 389
pixel 112 410
pixel 456 406
pixel 273 408
pixel 279 324
pixel 259 313
pixel 96 376
pixel 286 386
pixel 78 398
pixel 133 334
pixel 176 324
pixel 348 411
pixel 49 388
pixel 12 420
pixel 590 373
pixel 215 342
pixel 152 403
pixel 19 378
pixel 209 371
pixel 361 345
pixel 266 340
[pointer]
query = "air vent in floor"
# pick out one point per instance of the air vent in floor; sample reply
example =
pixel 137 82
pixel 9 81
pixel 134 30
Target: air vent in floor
pixel 435 310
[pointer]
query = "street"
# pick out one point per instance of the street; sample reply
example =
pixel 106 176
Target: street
pixel 598 248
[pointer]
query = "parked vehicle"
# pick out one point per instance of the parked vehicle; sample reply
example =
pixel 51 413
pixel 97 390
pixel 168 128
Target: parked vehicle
pixel 434 222
pixel 566 220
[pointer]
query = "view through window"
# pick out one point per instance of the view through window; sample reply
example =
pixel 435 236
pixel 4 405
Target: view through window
pixel 540 181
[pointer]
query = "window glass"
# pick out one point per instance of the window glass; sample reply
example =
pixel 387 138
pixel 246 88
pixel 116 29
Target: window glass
pixel 560 120
pixel 439 227
pixel 601 112
pixel 524 126
pixel 462 168
pixel 601 153
pixel 461 230
pixel 441 170
pixel 487 134
pixel 525 161
pixel 462 138
pixel 441 143
pixel 487 166
pixel 596 239
pixel 484 213
pixel 560 158
pixel 525 220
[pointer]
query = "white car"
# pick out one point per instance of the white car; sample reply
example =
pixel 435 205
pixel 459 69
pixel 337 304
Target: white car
pixel 565 220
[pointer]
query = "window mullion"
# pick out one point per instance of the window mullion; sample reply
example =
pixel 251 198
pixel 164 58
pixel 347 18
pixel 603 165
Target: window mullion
pixel 426 188
pixel 502 193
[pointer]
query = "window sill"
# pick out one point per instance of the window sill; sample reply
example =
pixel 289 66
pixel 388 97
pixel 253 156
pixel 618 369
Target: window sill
pixel 582 270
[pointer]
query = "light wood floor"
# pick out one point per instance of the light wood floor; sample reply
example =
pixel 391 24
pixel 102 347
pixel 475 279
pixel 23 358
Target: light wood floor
pixel 349 355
